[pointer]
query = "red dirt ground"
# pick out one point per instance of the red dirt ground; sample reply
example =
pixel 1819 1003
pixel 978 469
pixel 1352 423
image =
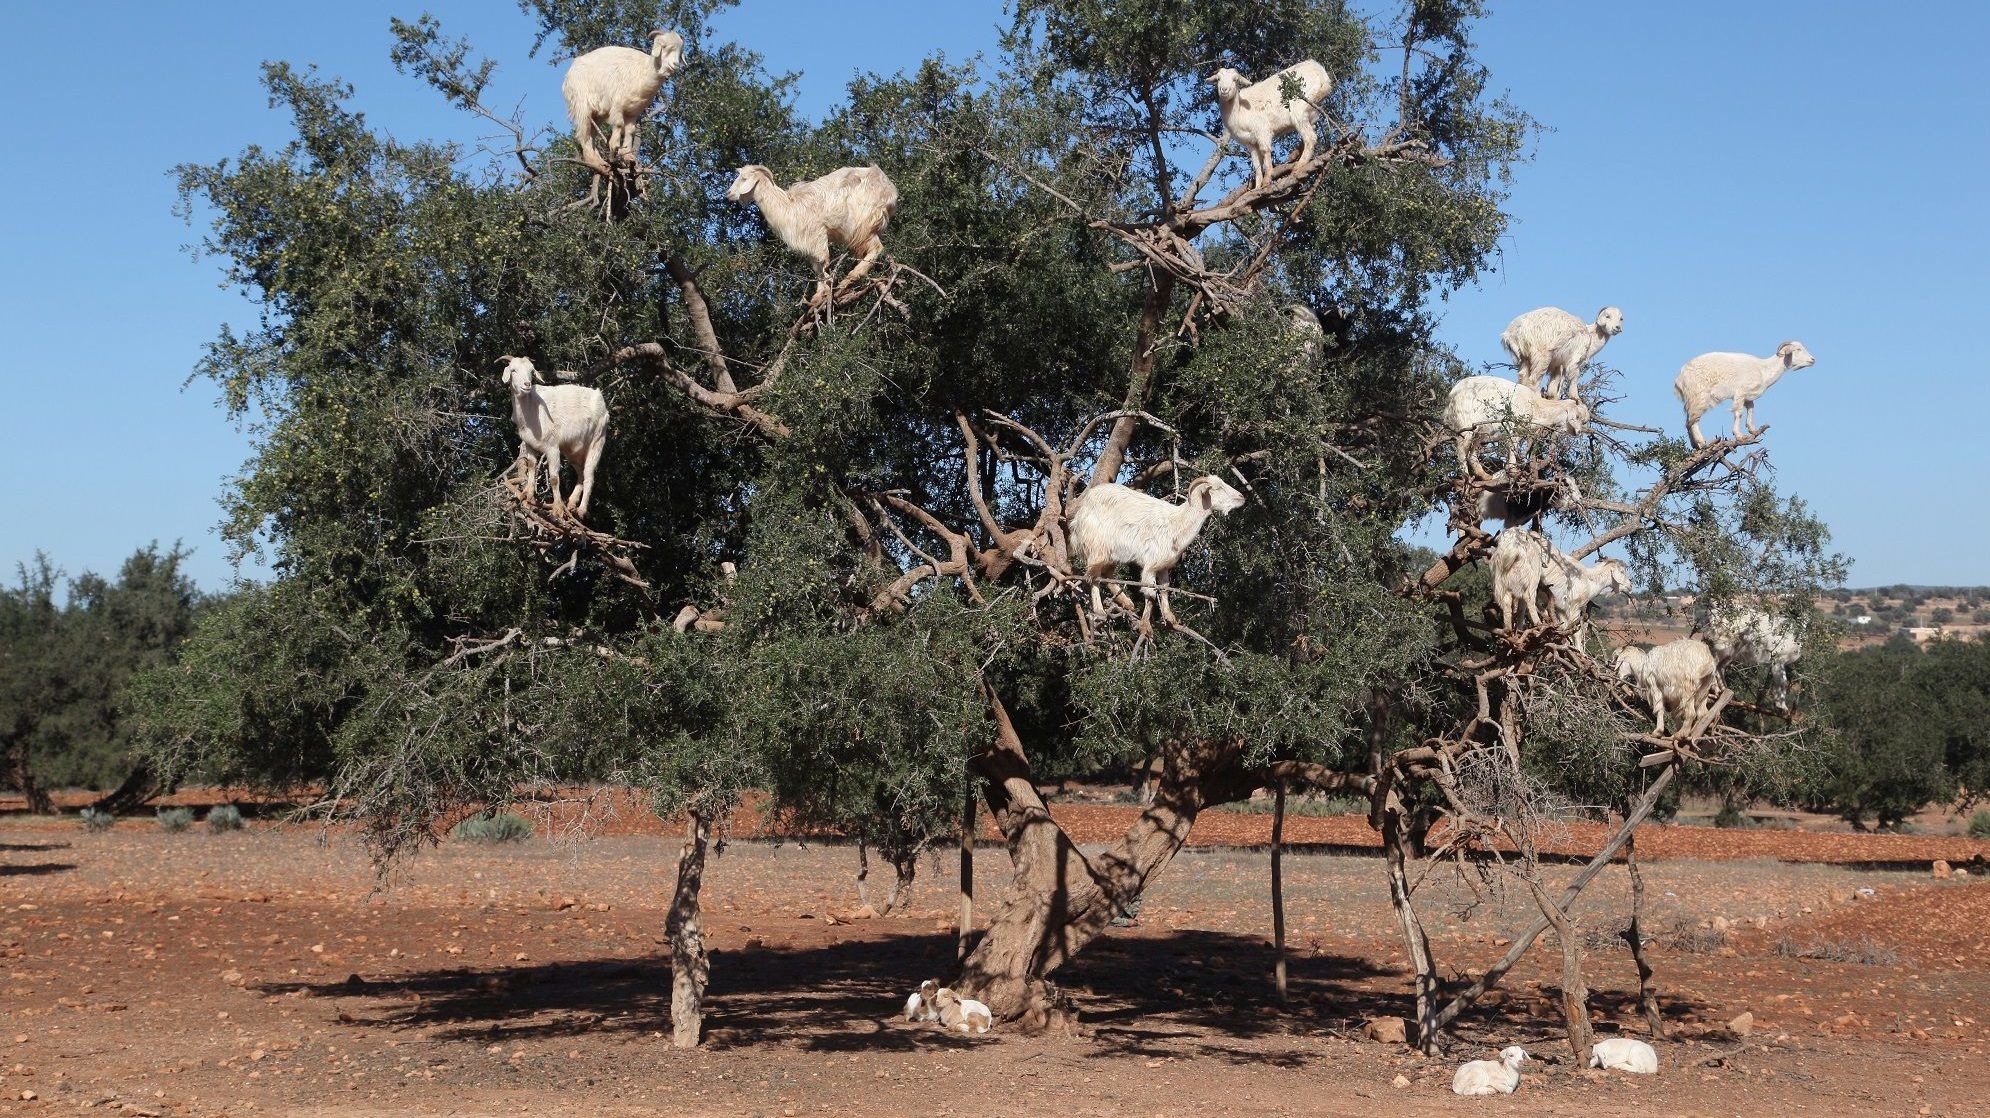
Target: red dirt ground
pixel 263 972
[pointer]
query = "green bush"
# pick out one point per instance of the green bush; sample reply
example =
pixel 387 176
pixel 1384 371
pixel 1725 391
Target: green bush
pixel 1979 825
pixel 224 817
pixel 173 820
pixel 1731 816
pixel 94 820
pixel 492 828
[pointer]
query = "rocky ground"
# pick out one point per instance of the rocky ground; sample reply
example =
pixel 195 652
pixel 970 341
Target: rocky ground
pixel 271 971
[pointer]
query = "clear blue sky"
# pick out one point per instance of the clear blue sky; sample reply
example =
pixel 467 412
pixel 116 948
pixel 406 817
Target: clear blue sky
pixel 1731 174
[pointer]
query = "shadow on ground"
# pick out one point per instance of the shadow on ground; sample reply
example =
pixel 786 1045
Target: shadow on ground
pixel 1189 992
pixel 36 869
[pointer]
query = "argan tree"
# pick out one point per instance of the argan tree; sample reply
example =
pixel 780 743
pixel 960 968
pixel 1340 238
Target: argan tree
pixel 827 556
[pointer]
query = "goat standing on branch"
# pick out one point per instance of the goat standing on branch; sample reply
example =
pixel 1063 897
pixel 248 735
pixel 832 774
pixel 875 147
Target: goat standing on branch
pixel 613 88
pixel 555 421
pixel 1479 402
pixel 1708 379
pixel 848 207
pixel 1551 342
pixel 1113 524
pixel 1257 115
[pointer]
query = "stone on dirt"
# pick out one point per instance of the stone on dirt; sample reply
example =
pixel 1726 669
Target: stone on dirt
pixel 1942 870
pixel 1742 1025
pixel 1386 1030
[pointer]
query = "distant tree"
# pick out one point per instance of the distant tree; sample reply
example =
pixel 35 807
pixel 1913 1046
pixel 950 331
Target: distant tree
pixel 33 679
pixel 1941 615
pixel 1910 727
pixel 67 699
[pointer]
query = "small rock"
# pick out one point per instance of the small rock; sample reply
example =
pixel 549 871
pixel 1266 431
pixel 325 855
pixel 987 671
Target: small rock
pixel 1742 1025
pixel 1722 923
pixel 1866 892
pixel 864 912
pixel 830 918
pixel 1385 1030
pixel 1959 872
pixel 1941 870
pixel 1400 1082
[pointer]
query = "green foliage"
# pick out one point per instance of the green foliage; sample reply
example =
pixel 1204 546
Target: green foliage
pixel 494 828
pixel 414 657
pixel 173 820
pixel 1979 825
pixel 222 818
pixel 1909 729
pixel 95 821
pixel 67 654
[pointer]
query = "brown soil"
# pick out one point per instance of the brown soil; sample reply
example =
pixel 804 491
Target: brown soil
pixel 264 972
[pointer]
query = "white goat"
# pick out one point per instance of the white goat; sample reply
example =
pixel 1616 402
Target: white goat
pixel 1256 115
pixel 1624 1053
pixel 1112 524
pixel 1490 1077
pixel 849 207
pixel 1678 676
pixel 1520 561
pixel 1552 342
pixel 1749 635
pixel 1708 379
pixel 1477 402
pixel 920 1007
pixel 962 1015
pixel 613 87
pixel 1573 586
pixel 555 421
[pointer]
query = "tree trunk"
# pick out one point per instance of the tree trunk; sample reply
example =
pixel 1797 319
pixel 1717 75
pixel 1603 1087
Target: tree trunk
pixel 1278 890
pixel 966 932
pixel 690 966
pixel 1140 379
pixel 1497 971
pixel 863 872
pixel 905 868
pixel 1647 989
pixel 22 776
pixel 1059 900
pixel 136 789
pixel 1416 944
pixel 1575 991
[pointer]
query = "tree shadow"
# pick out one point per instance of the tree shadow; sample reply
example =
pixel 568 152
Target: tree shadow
pixel 36 847
pixel 1189 993
pixel 36 869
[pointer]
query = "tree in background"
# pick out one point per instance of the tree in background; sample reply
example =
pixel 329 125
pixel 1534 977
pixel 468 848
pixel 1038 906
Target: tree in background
pixel 1908 727
pixel 828 557
pixel 66 668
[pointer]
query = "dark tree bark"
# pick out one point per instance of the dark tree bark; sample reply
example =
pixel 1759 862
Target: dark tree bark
pixel 690 965
pixel 965 935
pixel 133 793
pixel 21 775
pixel 1278 890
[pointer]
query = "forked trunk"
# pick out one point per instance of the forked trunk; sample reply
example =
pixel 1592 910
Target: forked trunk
pixel 690 966
pixel 1059 901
